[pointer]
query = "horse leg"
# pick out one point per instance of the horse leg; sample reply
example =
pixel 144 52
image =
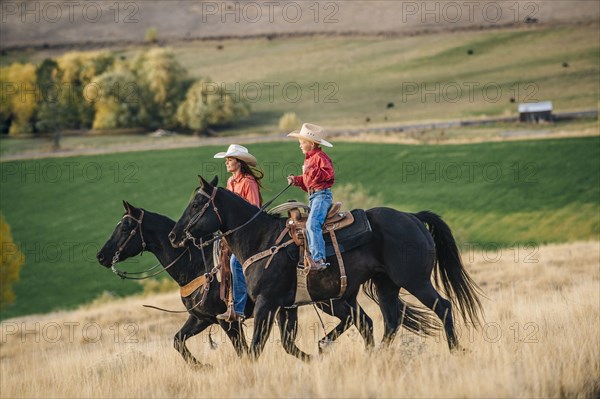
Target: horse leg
pixel 264 316
pixel 349 312
pixel 288 327
pixel 235 333
pixel 429 297
pixel 339 310
pixel 192 327
pixel 363 323
pixel 387 293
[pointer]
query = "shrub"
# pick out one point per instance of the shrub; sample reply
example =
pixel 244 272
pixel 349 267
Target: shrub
pixel 151 35
pixel 289 121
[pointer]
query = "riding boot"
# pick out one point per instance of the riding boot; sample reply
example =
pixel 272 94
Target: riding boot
pixel 230 315
pixel 316 266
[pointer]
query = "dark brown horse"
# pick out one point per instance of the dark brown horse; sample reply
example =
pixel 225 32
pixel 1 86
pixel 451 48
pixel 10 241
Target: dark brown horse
pixel 402 253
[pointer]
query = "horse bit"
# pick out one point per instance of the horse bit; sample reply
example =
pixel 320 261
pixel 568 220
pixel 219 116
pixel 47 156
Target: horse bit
pixel 115 259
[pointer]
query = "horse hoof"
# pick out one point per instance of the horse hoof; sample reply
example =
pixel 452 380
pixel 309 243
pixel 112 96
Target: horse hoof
pixel 197 366
pixel 459 350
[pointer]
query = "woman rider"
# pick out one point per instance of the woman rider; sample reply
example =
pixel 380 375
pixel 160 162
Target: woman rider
pixel 245 182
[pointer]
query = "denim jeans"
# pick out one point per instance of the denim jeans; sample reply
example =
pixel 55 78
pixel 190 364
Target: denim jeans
pixel 239 285
pixel 319 204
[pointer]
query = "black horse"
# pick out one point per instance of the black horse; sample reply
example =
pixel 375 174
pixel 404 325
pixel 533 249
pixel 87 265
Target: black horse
pixel 150 233
pixel 401 253
pixel 152 230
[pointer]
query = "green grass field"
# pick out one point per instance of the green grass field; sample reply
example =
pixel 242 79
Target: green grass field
pixel 509 193
pixel 342 81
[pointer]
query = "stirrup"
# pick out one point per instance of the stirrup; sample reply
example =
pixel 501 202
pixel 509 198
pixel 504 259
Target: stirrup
pixel 318 266
pixel 231 315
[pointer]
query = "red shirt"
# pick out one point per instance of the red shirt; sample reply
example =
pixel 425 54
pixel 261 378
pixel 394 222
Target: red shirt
pixel 317 173
pixel 246 187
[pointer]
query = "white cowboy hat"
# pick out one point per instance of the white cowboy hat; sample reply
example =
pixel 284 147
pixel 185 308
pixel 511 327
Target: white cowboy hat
pixel 312 133
pixel 239 152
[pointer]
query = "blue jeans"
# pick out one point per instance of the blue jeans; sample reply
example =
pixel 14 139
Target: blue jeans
pixel 239 285
pixel 319 204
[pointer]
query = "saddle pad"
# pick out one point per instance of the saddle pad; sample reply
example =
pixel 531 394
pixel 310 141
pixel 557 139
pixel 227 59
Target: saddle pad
pixel 348 238
pixel 352 236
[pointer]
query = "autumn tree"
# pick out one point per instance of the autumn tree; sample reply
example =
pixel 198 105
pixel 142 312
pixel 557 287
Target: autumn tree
pixel 19 97
pixel 207 105
pixel 120 105
pixel 10 264
pixel 78 93
pixel 162 84
pixel 52 113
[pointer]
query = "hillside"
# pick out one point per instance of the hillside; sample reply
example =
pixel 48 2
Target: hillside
pixel 38 24
pixel 363 82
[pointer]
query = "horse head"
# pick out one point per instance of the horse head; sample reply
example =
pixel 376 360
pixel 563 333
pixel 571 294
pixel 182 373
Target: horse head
pixel 200 218
pixel 126 240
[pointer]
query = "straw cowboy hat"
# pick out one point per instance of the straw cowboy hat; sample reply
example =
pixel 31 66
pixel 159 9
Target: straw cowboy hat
pixel 312 133
pixel 238 152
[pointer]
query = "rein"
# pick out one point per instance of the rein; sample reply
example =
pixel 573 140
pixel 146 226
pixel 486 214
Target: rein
pixel 217 236
pixel 208 279
pixel 125 275
pixel 115 259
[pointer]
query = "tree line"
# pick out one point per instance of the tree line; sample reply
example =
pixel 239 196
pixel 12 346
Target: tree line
pixel 99 90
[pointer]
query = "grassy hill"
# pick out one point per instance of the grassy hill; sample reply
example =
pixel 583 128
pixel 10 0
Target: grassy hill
pixel 119 349
pixel 29 23
pixel 508 194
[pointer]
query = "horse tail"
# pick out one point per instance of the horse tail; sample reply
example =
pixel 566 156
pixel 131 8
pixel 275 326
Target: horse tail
pixel 414 319
pixel 370 290
pixel 449 272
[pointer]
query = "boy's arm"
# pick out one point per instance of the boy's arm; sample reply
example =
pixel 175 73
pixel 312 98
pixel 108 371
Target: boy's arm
pixel 298 181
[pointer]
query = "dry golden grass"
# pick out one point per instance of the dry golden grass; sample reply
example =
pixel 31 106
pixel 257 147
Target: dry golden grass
pixel 541 339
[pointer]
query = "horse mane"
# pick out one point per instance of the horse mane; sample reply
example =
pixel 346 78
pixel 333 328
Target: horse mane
pixel 264 213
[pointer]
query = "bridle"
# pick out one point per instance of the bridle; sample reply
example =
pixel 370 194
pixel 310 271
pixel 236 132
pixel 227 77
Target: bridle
pixel 208 276
pixel 211 200
pixel 196 217
pixel 132 233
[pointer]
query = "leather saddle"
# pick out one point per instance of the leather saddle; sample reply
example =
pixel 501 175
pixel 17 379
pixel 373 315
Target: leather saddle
pixel 334 221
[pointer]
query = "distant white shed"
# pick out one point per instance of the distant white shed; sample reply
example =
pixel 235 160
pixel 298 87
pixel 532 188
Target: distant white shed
pixel 536 112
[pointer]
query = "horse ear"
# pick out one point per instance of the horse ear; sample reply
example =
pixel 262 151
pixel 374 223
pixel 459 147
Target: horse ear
pixel 203 183
pixel 127 206
pixel 215 181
